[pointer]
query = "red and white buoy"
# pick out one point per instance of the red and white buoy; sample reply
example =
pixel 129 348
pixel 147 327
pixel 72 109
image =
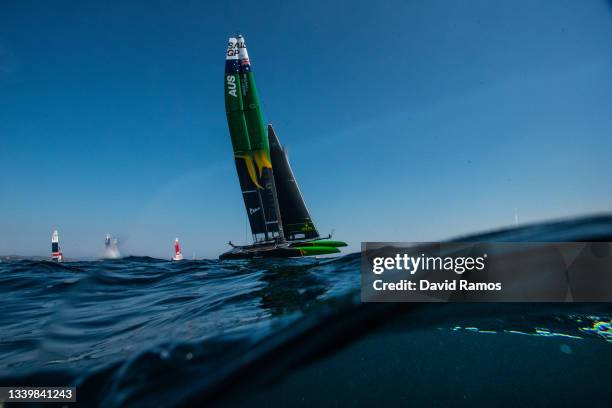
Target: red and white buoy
pixel 56 252
pixel 178 256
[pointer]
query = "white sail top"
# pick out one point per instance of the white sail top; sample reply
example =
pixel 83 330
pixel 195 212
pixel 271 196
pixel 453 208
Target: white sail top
pixel 232 49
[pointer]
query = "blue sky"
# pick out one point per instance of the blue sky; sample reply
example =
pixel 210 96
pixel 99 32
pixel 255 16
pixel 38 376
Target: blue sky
pixel 404 120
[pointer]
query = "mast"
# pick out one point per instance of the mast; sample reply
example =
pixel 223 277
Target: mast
pixel 516 217
pixel 281 230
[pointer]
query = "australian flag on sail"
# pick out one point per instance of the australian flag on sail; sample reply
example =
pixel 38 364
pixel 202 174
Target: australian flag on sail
pixel 245 65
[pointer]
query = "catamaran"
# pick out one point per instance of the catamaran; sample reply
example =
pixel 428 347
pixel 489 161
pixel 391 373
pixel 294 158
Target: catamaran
pixel 280 222
pixel 56 252
pixel 178 256
pixel 111 250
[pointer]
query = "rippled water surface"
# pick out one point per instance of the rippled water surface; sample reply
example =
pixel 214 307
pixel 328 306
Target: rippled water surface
pixel 84 314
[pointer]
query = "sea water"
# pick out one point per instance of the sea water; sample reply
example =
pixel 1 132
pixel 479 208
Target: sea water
pixel 138 331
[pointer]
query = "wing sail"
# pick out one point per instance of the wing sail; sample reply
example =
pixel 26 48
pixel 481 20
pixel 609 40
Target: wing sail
pixel 296 220
pixel 250 144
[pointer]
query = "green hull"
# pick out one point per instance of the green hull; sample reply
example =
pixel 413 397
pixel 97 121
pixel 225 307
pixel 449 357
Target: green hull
pixel 317 250
pixel 329 243
pixel 322 243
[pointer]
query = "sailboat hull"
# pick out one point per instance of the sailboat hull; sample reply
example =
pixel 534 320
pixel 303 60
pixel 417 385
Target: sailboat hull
pixel 253 251
pixel 292 250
